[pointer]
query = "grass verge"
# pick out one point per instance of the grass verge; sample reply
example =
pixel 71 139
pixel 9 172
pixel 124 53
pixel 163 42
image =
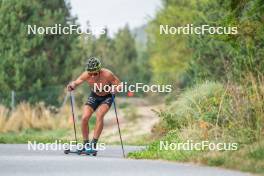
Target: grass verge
pixel 248 158
pixel 219 114
pixel 33 135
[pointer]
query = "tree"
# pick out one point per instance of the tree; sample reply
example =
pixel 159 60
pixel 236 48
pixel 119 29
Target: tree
pixel 125 55
pixel 105 50
pixel 229 57
pixel 32 63
pixel 169 55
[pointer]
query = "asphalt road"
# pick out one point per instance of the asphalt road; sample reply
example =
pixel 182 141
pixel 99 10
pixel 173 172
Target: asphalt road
pixel 16 159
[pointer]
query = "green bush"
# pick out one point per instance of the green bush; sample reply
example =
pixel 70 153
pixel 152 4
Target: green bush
pixel 201 102
pixel 235 112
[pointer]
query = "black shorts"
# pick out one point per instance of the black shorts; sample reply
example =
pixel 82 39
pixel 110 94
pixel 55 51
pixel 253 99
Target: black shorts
pixel 95 100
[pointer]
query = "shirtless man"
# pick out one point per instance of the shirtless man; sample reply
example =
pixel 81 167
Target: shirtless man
pixel 97 101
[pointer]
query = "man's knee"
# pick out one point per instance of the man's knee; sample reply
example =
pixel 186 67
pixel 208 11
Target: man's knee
pixel 85 118
pixel 99 119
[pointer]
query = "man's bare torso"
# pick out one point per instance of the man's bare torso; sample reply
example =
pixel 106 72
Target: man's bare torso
pixel 105 77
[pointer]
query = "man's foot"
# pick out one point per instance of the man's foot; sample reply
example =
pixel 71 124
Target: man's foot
pixel 94 143
pixel 90 151
pixel 86 145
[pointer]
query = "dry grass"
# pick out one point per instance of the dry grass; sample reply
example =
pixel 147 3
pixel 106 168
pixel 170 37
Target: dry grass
pixel 39 117
pixel 3 117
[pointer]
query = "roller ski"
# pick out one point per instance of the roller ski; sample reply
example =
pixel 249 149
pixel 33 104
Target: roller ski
pixel 88 151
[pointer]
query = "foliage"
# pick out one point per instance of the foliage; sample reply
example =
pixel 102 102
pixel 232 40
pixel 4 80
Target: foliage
pixel 219 114
pixel 188 59
pixel 228 57
pixel 169 55
pixel 201 102
pixel 31 62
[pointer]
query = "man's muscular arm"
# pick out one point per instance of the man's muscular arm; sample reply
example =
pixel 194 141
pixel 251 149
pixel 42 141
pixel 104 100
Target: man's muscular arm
pixel 72 85
pixel 116 82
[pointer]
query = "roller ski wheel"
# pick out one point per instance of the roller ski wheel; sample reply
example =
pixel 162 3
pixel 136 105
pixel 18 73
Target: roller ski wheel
pixel 90 152
pixel 66 151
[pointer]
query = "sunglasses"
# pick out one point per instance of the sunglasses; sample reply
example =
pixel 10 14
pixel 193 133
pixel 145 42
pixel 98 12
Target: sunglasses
pixel 93 74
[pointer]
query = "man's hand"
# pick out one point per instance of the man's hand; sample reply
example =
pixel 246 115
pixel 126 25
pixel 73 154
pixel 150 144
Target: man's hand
pixel 71 86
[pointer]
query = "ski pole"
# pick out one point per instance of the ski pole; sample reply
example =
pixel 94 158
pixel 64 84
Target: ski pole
pixel 117 121
pixel 73 117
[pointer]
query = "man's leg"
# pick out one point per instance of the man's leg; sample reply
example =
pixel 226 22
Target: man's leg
pixel 101 111
pixel 87 113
